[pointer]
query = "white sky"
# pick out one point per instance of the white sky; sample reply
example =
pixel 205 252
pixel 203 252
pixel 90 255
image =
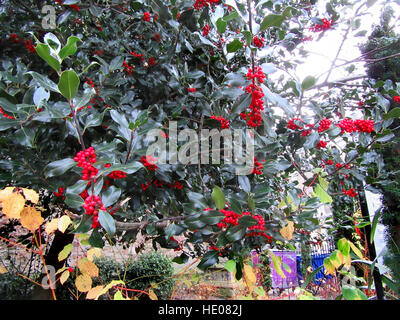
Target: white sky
pixel 325 49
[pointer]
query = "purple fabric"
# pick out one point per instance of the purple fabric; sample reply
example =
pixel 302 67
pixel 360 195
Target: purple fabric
pixel 289 258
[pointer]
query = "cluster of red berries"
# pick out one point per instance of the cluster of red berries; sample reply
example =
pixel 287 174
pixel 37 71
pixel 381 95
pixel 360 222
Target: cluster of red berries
pixel 258 166
pixel 256 74
pixel 148 162
pixel 157 37
pixel 321 144
pixel 302 231
pixel 191 89
pixel 152 61
pixel 5 115
pixel 180 244
pixel 60 193
pixel 128 68
pixel 396 99
pixel 326 24
pixel 28 43
pixel 137 55
pixel 204 3
pixel 85 160
pixel 324 124
pixel 253 118
pixel 31 48
pixel 292 124
pixel 206 30
pixel 92 206
pixel 359 125
pixel 146 17
pixel 258 42
pixel 225 124
pixel 161 184
pixel 351 192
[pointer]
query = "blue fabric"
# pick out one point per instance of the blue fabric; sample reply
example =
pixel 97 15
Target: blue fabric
pixel 317 260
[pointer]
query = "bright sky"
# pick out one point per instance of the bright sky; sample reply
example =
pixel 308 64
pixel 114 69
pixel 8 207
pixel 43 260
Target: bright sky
pixel 323 51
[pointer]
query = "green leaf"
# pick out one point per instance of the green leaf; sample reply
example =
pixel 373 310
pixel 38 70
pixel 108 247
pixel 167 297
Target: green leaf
pixel 110 196
pixel 352 293
pixel 343 246
pixel 44 82
pixel 96 239
pixel 230 265
pixel 221 25
pixel 249 37
pixel 52 41
pixel 322 194
pixel 58 167
pixel 116 63
pixel 394 113
pixel 247 221
pixel 211 217
pixel 231 16
pixel 209 259
pixel 85 224
pixel 68 84
pixel 107 222
pixel 374 224
pixel 218 196
pixel 244 183
pixel 70 48
pixel 83 100
pixel 308 82
pixel 235 233
pixel 272 20
pixel 43 51
pixel 234 46
pixel 74 201
pixel 64 253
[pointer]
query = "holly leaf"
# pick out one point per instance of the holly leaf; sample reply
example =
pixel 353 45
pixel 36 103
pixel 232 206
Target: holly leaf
pixel 68 84
pixel 218 196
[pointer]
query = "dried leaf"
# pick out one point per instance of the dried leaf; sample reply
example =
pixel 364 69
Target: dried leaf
pixel 12 205
pixel 88 267
pixel 287 231
pixel 3 270
pixel 63 223
pixel 249 277
pixel 152 295
pixel 31 195
pixel 31 219
pixel 51 226
pixel 94 253
pixel 83 282
pixel 95 292
pixel 64 276
pixel 5 193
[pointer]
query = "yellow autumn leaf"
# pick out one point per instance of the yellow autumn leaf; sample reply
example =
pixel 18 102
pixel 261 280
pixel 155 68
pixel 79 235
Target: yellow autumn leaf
pixel 63 223
pixel 31 195
pixel 51 226
pixel 88 267
pixel 329 268
pixel 118 296
pixel 64 276
pixel 249 277
pixel 83 282
pixel 12 205
pixel 31 219
pixel 152 295
pixel 287 231
pixel 95 292
pixel 94 253
pixel 3 270
pixel 6 192
pixel 355 249
pixel 112 284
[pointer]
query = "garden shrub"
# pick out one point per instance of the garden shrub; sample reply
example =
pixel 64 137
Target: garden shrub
pixel 151 269
pixel 15 287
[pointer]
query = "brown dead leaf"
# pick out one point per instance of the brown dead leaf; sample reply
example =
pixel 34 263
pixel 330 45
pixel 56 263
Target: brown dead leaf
pixel 249 277
pixel 31 219
pixel 287 231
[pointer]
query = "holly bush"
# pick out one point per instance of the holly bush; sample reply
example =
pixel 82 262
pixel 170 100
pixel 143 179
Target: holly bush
pixel 79 100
